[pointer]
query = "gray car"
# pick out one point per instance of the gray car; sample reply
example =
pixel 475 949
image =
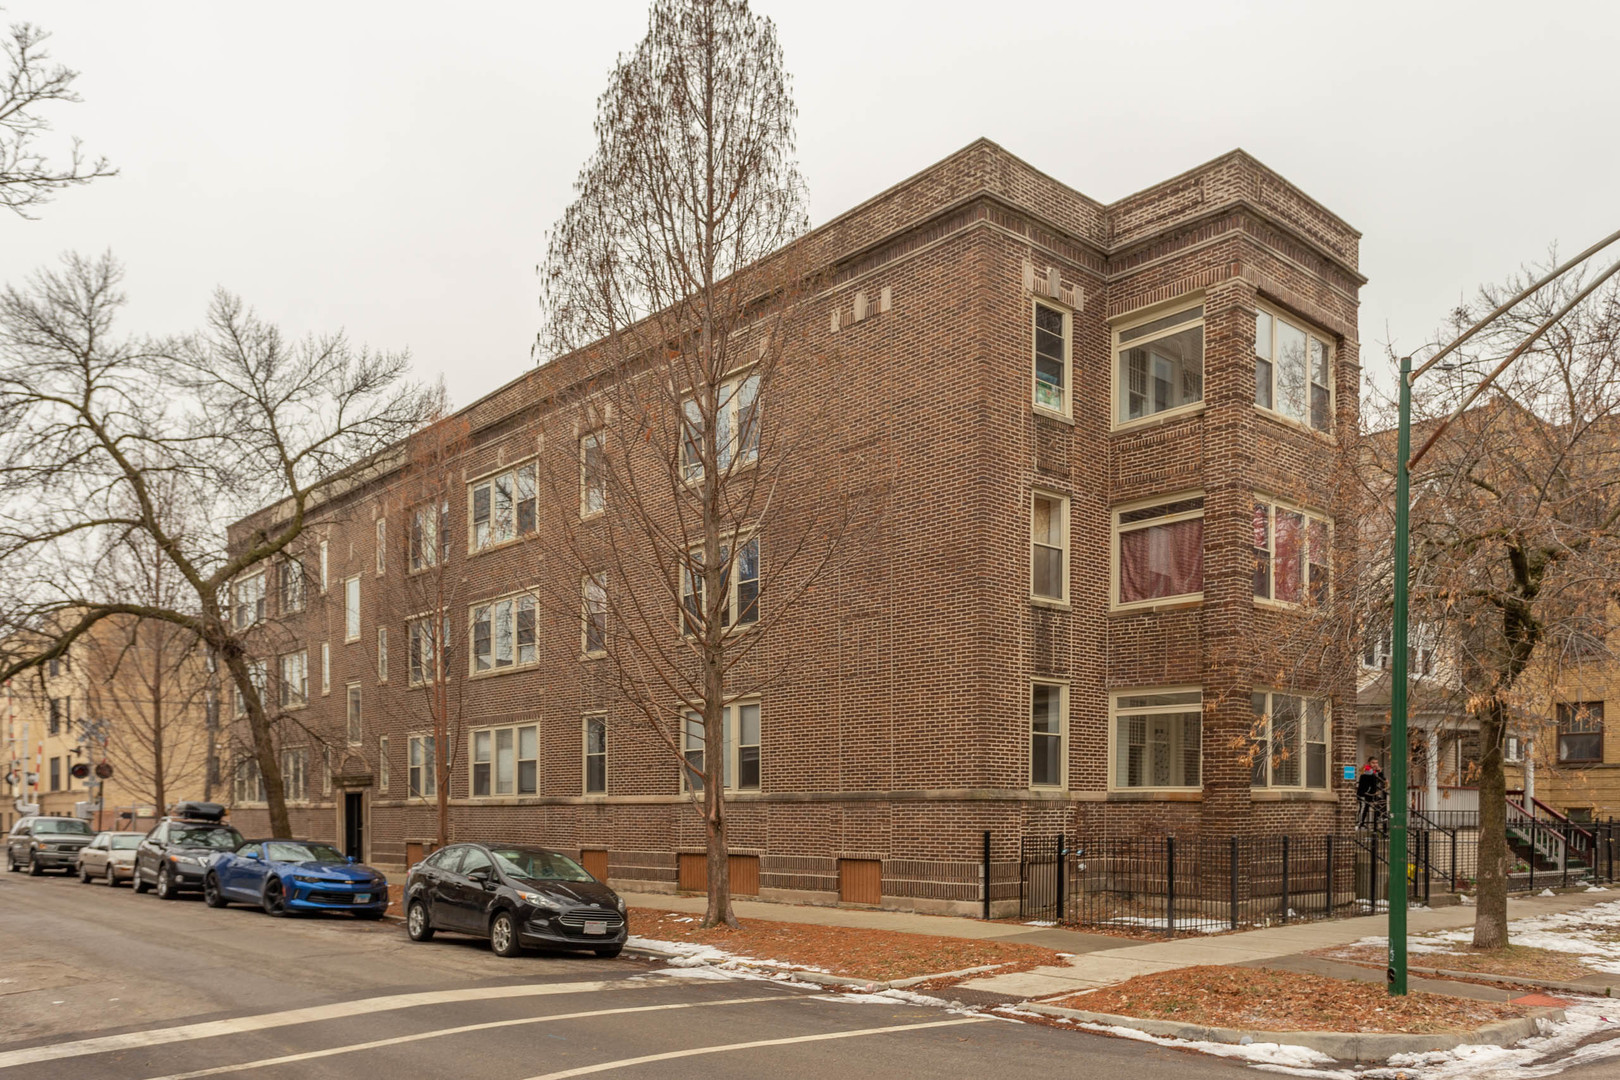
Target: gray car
pixel 47 843
pixel 111 856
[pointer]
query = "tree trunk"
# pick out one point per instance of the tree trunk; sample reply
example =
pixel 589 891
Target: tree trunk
pixel 1490 894
pixel 264 750
pixel 159 788
pixel 441 762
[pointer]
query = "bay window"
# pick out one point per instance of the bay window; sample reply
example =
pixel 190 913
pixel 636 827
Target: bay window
pixel 1159 364
pixel 1293 552
pixel 1159 551
pixel 1289 741
pixel 1293 371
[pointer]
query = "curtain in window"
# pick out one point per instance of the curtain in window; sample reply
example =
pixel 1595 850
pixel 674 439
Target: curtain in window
pixel 1161 560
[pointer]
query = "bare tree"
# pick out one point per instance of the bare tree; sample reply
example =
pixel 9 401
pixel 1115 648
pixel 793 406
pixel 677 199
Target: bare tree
pixel 1516 530
pixel 95 429
pixel 27 178
pixel 691 518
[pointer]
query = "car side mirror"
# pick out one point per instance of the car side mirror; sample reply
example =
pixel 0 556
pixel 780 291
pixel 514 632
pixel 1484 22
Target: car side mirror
pixel 350 859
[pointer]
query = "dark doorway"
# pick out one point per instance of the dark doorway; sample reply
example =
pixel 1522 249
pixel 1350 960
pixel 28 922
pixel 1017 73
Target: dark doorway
pixel 354 825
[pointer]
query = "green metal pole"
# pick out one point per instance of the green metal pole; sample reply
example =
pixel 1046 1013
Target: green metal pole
pixel 1397 694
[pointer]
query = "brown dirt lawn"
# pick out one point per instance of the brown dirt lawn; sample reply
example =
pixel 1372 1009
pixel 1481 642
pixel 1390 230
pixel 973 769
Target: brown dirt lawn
pixel 1518 961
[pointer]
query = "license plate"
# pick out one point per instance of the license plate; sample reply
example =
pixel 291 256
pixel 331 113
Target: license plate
pixel 598 927
pixel 362 898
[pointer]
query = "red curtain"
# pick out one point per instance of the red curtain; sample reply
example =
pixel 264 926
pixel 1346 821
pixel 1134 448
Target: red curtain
pixel 1161 560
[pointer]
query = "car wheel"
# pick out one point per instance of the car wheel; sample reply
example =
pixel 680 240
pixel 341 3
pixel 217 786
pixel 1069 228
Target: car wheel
pixel 503 938
pixel 417 923
pixel 34 869
pixel 84 874
pixel 112 877
pixel 166 887
pixel 11 862
pixel 608 952
pixel 139 882
pixel 211 894
pixel 275 899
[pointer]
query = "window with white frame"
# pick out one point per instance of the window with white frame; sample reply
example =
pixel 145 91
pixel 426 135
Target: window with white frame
pixel 1052 375
pixel 506 761
pixel 353 723
pixel 1513 750
pixel 421 769
pixel 736 434
pixel 740 764
pixel 1158 739
pixel 293 687
pixel 1292 554
pixel 323 567
pixel 1159 551
pixel 592 473
pixel 1048 711
pixel 290 577
pixel 595 765
pixel 430 535
pixel 1580 732
pixel 1049 540
pixel 351 609
pixel 295 773
pixel 741 607
pixel 502 507
pixel 503 634
pixel 326 668
pixel 382 545
pixel 1289 741
pixel 326 770
pixel 428 640
pixel 248 595
pixel 594 632
pixel 259 676
pixel 1159 364
pixel 382 764
pixel 382 654
pixel 1375 651
pixel 1293 370
pixel 248 784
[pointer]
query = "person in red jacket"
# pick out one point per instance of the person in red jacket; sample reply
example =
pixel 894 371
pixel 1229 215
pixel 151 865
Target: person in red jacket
pixel 1370 796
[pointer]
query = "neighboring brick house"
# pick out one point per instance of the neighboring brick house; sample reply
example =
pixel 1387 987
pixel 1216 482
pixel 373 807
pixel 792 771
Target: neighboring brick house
pixel 1091 477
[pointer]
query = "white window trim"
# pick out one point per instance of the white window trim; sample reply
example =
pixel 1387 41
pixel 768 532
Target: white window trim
pixel 730 542
pixel 438 643
pixel 429 786
pixel 431 542
pixel 252 766
pixel 1067 412
pixel 302 699
pixel 472 645
pixel 1135 319
pixel 585 583
pixel 259 603
pixel 726 396
pixel 494 762
pixel 585 512
pixel 1114 712
pixel 351 735
pixel 1179 600
pixel 382 546
pixel 585 756
pixel 262 684
pixel 1062 500
pixel 324 578
pixel 1273 504
pixel 300 794
pixel 382 655
pixel 532 463
pixel 359 616
pixel 1327 731
pixel 732 747
pixel 326 668
pixel 383 776
pixel 289 570
pixel 1325 338
pixel 1062 736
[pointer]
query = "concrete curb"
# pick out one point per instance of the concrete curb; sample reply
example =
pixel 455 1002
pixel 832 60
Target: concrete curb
pixel 1343 1045
pixel 823 979
pixel 1514 980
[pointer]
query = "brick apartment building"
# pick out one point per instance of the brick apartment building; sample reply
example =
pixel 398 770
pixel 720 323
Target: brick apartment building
pixel 1108 434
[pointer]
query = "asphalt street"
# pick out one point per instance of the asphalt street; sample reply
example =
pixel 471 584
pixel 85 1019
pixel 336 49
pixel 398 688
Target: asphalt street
pixel 97 982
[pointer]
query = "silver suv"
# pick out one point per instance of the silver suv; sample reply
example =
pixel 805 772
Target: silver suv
pixel 47 843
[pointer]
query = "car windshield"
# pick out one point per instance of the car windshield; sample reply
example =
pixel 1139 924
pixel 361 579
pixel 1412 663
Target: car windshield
pixel 62 825
pixel 209 836
pixel 281 851
pixel 539 865
pixel 124 841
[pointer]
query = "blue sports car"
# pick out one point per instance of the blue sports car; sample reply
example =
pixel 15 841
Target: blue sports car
pixel 284 876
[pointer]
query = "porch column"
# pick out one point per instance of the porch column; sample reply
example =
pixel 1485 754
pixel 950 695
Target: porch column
pixel 1431 769
pixel 1527 751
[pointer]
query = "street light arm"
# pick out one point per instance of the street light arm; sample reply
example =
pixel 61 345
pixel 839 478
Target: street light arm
pixel 1493 316
pixel 1518 351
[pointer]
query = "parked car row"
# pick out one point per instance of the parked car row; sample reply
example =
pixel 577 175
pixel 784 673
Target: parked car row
pixel 517 896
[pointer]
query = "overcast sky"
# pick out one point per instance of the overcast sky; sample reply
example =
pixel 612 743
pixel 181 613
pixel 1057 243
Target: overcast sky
pixel 392 168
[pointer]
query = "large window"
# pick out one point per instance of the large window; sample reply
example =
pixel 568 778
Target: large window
pixel 1160 364
pixel 428 642
pixel 295 774
pixel 430 535
pixel 294 685
pixel 594 632
pixel 351 609
pixel 1052 377
pixel 382 764
pixel 503 634
pixel 736 435
pixel 1158 739
pixel 382 544
pixel 1293 371
pixel 503 506
pixel 1289 741
pixel 382 654
pixel 353 720
pixel 741 763
pixel 1292 554
pixel 1048 709
pixel 506 761
pixel 596 755
pixel 290 576
pixel 1049 539
pixel 247 785
pixel 249 599
pixel 326 667
pixel 324 549
pixel 421 772
pixel 592 473
pixel 259 676
pixel 742 598
pixel 1159 551
pixel 1580 732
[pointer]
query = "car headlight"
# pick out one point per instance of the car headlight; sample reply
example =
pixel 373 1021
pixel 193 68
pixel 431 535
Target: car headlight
pixel 544 903
pixel 185 860
pixel 619 900
pixel 304 879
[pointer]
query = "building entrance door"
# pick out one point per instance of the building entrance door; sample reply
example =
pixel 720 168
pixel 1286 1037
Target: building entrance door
pixel 354 825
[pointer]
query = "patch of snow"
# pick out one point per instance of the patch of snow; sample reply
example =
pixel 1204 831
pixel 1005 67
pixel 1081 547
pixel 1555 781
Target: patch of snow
pixel 1546 892
pixel 1274 1054
pixel 1040 922
pixel 1587 933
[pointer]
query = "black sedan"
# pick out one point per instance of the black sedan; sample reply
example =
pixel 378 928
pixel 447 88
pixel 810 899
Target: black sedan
pixel 514 896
